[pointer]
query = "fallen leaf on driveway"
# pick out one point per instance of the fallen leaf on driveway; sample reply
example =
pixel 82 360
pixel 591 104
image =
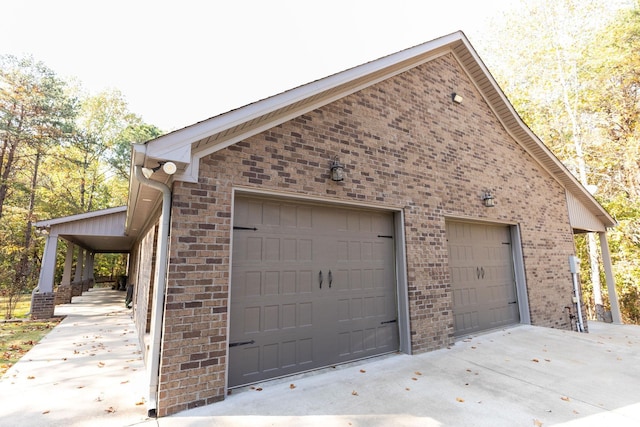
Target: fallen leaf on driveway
pixel 141 402
pixel 565 398
pixel 418 373
pixel 354 393
pixel 110 410
pixel 46 412
pixel 535 360
pixel 31 377
pixel 537 423
pixel 459 399
pixel 292 386
pixel 362 371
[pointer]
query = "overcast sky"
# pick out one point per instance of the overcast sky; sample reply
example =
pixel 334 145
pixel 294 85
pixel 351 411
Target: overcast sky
pixel 183 61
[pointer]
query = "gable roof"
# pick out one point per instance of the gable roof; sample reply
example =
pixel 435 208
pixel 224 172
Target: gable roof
pixel 98 231
pixel 187 146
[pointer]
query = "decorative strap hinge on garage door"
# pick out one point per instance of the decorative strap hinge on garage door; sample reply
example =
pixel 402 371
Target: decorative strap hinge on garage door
pixel 389 321
pixel 385 237
pixel 245 228
pixel 236 344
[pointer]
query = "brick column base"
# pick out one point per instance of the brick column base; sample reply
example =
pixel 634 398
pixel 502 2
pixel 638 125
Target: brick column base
pixel 87 284
pixel 76 289
pixel 63 294
pixel 42 305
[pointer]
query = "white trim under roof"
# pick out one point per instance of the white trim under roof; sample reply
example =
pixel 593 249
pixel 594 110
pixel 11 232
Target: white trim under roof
pixel 80 217
pixel 188 145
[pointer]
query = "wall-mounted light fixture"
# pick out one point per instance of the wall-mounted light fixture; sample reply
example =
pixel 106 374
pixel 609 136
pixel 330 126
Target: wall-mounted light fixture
pixel 337 170
pixel 456 98
pixel 167 167
pixel 488 199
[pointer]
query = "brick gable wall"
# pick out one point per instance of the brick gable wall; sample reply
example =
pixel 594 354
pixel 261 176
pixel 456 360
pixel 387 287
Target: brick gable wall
pixel 405 145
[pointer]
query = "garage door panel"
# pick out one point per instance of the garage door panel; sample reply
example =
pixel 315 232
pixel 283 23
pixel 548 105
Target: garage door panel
pixel 482 277
pixel 281 318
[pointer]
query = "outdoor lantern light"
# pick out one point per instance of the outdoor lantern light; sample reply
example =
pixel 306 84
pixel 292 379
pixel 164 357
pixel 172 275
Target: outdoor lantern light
pixel 337 170
pixel 456 98
pixel 488 199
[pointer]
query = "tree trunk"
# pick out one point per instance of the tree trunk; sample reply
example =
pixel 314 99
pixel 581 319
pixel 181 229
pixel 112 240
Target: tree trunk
pixel 22 269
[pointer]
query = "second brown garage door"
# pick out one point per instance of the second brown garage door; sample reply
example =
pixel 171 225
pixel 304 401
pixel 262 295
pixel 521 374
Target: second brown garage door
pixel 311 286
pixel 482 276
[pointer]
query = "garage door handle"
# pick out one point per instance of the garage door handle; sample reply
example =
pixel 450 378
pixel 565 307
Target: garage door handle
pixel 320 278
pixel 478 272
pixel 236 344
pixel 330 278
pixel 513 302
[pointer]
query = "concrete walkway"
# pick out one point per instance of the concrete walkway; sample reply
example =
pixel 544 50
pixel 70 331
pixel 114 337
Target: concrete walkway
pixel 88 372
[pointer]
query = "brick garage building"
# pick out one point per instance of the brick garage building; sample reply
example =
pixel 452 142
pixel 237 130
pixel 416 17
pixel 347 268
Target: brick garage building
pixel 252 262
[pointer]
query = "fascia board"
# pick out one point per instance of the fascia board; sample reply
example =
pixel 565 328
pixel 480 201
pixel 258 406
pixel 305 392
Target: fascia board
pixel 80 217
pixel 172 142
pixel 557 169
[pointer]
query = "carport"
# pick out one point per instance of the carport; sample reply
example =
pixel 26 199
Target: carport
pixel 86 234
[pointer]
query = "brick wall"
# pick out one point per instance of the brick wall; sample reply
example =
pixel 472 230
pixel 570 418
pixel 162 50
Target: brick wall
pixel 405 145
pixel 43 305
pixel 63 294
pixel 143 281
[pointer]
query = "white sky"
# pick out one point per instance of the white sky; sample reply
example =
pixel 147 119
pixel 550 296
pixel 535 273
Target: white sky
pixel 179 62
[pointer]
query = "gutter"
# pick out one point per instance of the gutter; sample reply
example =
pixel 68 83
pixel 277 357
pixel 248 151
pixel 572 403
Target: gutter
pixel 157 309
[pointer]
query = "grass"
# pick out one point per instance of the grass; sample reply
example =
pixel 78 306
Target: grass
pixel 17 338
pixel 22 308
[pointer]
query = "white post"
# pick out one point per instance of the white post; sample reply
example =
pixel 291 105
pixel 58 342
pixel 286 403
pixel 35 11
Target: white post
pixel 611 284
pixel 88 265
pixel 68 263
pixel 77 277
pixel 48 268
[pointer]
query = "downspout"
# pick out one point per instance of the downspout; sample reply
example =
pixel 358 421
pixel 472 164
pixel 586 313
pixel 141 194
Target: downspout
pixel 157 309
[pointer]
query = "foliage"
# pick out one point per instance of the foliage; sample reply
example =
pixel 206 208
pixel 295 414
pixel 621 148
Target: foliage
pixel 62 152
pixel 576 84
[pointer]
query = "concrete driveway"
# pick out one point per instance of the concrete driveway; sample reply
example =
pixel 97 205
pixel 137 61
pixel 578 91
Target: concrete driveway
pixel 522 376
pixel 88 371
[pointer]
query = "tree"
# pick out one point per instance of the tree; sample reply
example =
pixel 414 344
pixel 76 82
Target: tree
pixel 35 114
pixel 614 102
pixel 81 142
pixel 544 76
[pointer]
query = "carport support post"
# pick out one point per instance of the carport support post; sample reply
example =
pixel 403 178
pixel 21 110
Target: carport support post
pixel 87 276
pixel 63 295
pixel 43 298
pixel 76 286
pixel 611 284
pixel 68 264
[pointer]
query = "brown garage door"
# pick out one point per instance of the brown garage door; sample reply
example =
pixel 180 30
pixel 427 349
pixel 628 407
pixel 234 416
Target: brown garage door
pixel 482 278
pixel 311 286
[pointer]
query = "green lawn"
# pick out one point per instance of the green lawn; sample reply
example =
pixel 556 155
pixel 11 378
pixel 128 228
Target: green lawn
pixel 22 308
pixel 16 338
